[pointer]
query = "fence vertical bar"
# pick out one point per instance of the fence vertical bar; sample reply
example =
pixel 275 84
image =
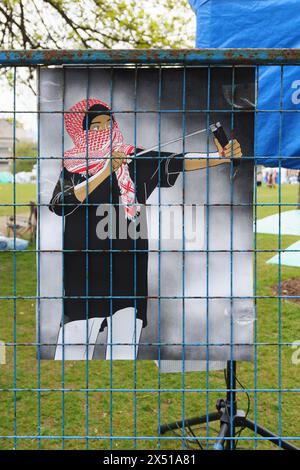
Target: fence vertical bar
pixel 255 263
pixel 38 259
pixel 87 293
pixel 183 249
pixel 111 306
pixel 207 219
pixel 159 252
pixel 134 267
pixel 15 260
pixel 63 261
pixel 279 261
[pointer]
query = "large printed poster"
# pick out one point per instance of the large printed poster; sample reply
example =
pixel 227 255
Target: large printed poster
pixel 145 226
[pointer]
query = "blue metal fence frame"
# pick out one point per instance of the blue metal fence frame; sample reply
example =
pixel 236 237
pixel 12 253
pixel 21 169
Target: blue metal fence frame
pixel 153 56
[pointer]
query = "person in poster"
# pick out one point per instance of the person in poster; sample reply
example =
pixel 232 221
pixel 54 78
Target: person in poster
pixel 105 272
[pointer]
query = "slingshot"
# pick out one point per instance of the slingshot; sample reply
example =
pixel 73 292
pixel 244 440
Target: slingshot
pixel 216 129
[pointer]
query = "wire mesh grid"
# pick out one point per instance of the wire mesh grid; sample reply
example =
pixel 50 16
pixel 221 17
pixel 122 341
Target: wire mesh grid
pixel 121 405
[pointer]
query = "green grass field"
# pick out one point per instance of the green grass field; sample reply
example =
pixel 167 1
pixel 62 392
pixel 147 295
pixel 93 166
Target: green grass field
pixel 126 412
pixel 23 194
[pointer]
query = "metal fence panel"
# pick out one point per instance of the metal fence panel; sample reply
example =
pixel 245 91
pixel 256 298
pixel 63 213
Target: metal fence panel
pixel 97 405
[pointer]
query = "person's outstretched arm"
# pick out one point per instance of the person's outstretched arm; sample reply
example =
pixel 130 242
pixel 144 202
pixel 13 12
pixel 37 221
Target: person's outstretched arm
pixel 231 150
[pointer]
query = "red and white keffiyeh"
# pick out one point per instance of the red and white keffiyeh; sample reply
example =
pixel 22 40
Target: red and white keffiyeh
pixel 94 157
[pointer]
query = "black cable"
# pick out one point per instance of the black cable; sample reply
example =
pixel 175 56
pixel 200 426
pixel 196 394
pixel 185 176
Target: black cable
pixel 195 440
pixel 248 405
pixel 185 439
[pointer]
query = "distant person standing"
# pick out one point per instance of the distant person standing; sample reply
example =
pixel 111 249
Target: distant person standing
pixel 298 189
pixel 259 177
pixel 271 182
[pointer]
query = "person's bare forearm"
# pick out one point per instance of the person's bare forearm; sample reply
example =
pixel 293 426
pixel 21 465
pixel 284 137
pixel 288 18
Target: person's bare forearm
pixel 191 164
pixel 224 155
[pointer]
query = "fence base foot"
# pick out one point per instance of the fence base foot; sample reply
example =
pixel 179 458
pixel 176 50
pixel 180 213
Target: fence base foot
pixel 228 425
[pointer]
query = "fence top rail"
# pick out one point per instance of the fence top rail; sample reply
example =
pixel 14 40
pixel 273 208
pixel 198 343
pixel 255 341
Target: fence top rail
pixel 151 56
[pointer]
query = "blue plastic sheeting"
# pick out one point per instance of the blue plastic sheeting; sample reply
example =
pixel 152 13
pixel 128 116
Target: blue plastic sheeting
pixel 289 223
pixel 289 257
pixel 11 244
pixel 6 177
pixel 261 24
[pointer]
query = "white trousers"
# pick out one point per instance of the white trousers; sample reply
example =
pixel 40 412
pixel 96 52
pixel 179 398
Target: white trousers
pixel 79 337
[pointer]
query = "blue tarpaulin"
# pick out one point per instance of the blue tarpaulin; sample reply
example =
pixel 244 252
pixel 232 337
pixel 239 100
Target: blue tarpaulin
pixel 261 24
